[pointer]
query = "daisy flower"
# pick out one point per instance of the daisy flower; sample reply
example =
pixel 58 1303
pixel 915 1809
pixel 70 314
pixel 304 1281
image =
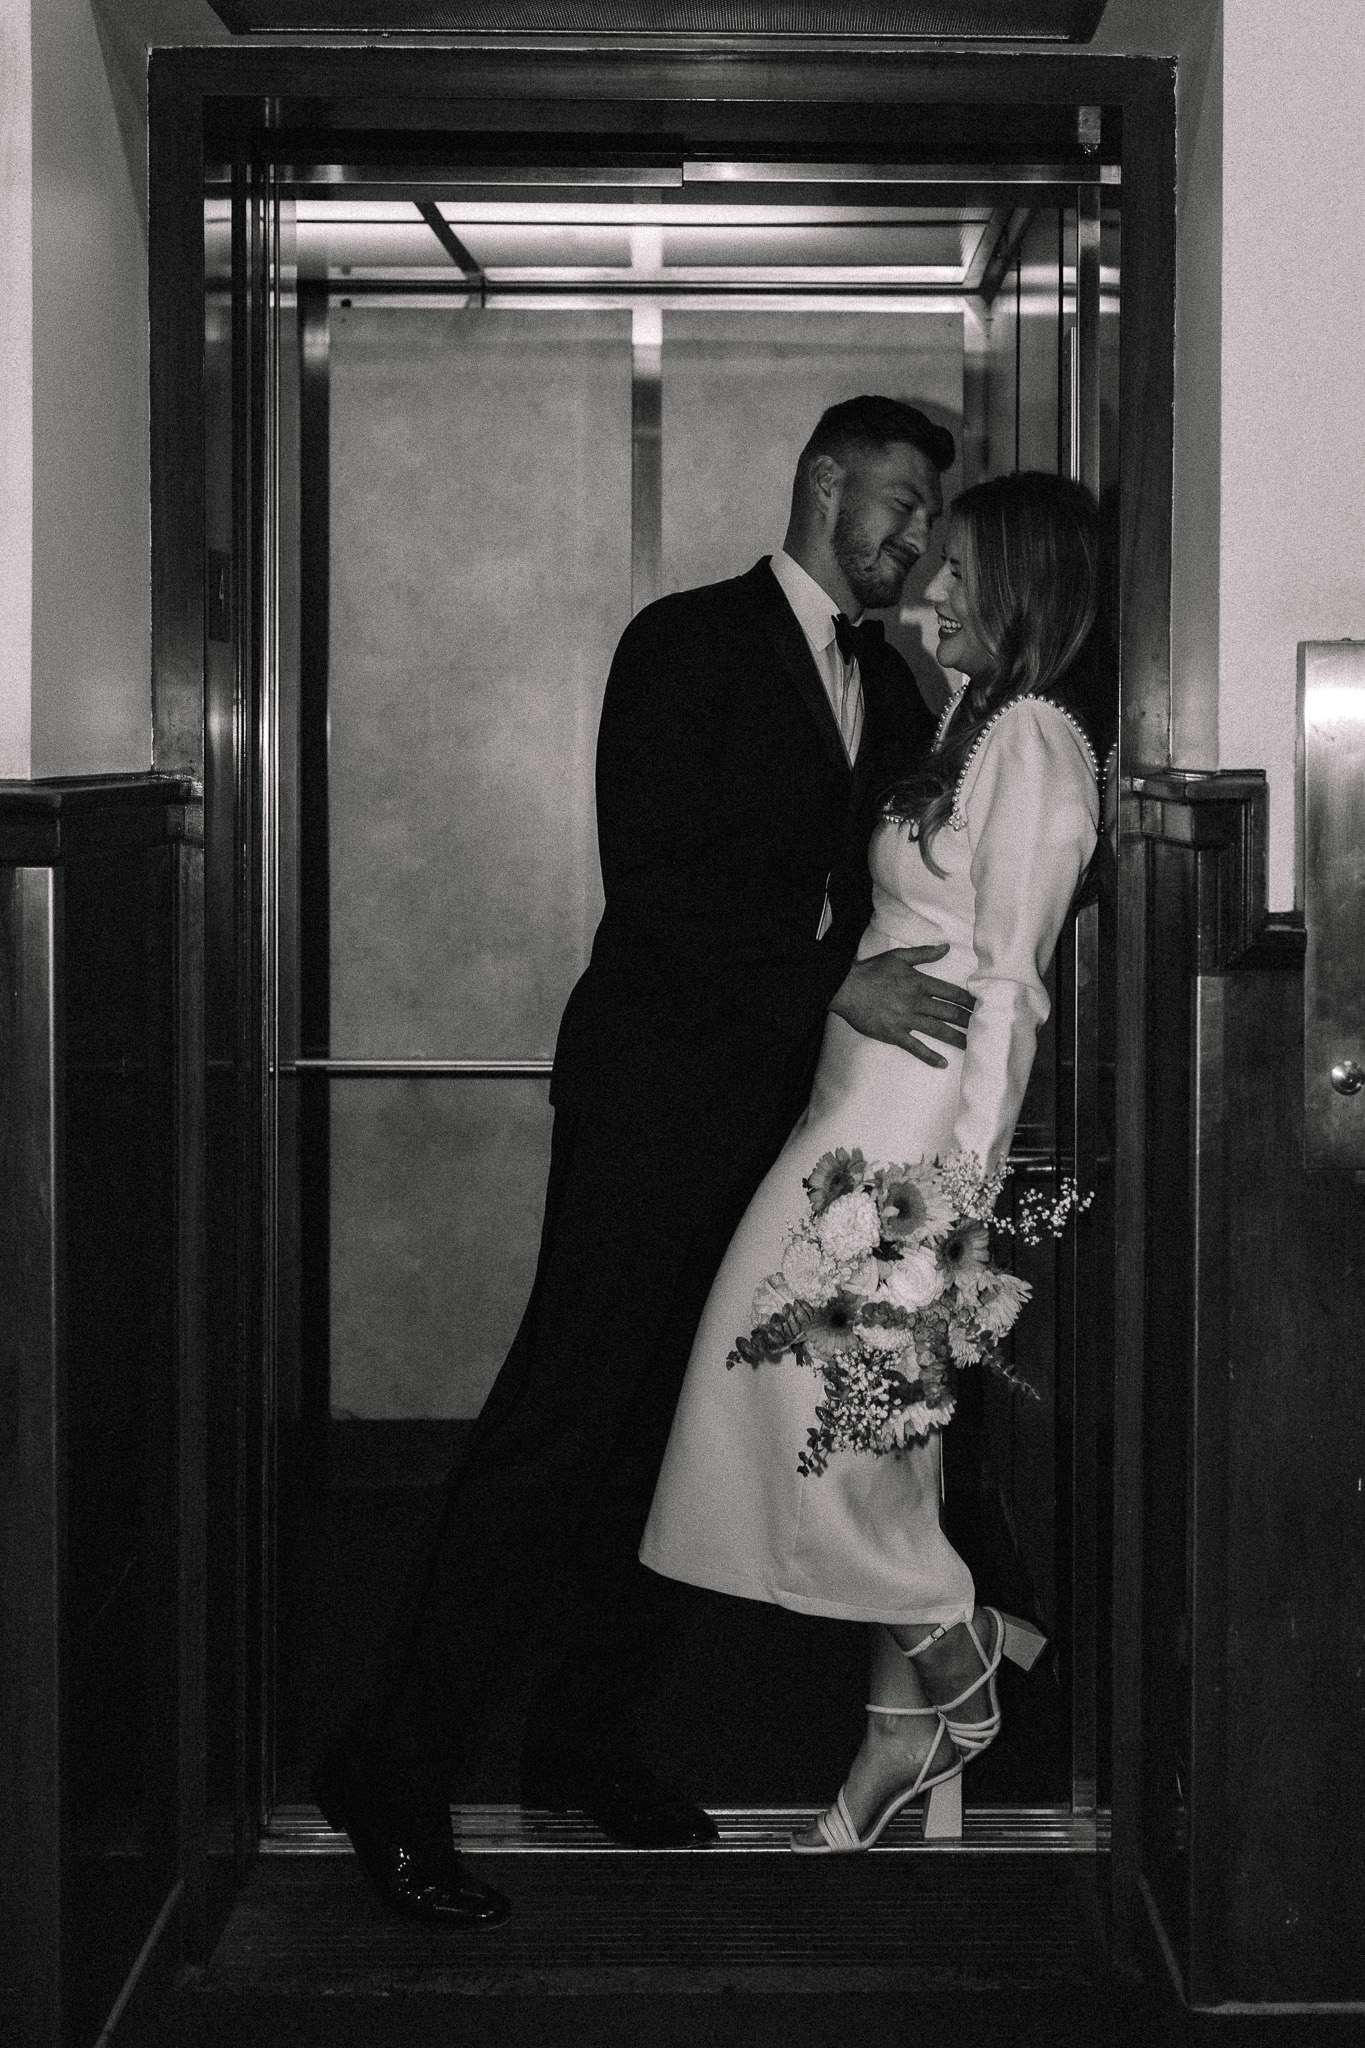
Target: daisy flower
pixel 966 1253
pixel 912 1203
pixel 834 1174
pixel 834 1327
pixel 999 1300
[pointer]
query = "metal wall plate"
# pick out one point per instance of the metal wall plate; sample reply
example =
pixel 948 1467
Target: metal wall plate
pixel 1031 21
pixel 1331 859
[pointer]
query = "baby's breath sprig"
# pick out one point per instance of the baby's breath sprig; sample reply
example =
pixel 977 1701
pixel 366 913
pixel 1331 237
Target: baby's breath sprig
pixel 972 1193
pixel 1035 1217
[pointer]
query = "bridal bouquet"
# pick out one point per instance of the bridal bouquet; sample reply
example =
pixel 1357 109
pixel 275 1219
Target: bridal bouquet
pixel 888 1287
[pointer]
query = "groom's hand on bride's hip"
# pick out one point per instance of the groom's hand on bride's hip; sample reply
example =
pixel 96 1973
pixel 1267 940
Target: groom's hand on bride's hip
pixel 888 997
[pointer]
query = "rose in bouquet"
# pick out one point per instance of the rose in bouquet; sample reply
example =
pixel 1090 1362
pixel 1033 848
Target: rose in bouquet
pixel 887 1288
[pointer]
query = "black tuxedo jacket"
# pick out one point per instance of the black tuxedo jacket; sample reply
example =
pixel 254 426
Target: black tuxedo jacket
pixel 725 809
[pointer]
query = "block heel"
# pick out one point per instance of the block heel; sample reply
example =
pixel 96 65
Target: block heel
pixel 943 1811
pixel 1022 1644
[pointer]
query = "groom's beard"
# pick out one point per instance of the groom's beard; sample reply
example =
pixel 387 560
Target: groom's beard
pixel 874 570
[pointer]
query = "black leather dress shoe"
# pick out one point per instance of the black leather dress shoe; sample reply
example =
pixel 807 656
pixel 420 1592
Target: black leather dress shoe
pixel 625 1800
pixel 409 1858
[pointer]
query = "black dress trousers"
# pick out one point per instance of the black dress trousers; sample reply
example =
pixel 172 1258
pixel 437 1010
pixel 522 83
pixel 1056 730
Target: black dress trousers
pixel 643 1197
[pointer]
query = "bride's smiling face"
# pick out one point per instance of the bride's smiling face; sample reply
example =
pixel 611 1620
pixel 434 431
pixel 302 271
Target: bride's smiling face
pixel 962 641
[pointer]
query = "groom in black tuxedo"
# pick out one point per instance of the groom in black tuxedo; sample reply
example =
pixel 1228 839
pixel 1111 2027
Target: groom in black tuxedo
pixel 747 730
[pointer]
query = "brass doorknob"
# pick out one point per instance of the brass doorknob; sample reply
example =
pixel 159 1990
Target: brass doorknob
pixel 1348 1077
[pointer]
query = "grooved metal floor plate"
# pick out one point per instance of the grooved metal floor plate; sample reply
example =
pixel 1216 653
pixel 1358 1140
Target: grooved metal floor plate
pixel 518 1830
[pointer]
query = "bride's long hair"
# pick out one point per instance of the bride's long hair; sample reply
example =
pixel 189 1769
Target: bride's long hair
pixel 1028 547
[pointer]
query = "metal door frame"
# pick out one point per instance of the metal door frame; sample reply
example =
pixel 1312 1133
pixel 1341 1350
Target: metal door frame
pixel 191 90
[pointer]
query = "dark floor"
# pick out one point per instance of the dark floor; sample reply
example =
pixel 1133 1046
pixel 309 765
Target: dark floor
pixel 701 1951
pixel 651 1948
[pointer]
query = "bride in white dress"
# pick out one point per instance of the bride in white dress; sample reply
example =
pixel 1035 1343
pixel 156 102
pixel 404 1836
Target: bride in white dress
pixel 984 851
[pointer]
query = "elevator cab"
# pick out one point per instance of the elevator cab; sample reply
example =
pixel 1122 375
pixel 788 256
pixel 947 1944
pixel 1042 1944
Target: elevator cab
pixel 485 395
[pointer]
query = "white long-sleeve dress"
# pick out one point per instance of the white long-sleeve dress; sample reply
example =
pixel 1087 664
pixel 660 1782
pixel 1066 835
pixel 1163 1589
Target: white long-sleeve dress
pixel 862 1540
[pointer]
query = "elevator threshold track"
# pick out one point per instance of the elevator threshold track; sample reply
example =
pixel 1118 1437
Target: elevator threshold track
pixel 744 1830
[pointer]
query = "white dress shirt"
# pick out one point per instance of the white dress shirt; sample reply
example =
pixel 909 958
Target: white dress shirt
pixel 815 612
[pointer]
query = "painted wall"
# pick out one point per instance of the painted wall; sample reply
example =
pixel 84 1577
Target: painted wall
pixel 76 605
pixel 1269 506
pixel 16 391
pixel 91 539
pixel 1197 498
pixel 1293 384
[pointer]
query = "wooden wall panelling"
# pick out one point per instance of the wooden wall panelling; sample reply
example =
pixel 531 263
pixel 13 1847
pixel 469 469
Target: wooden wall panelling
pixel 31 1494
pixel 103 1492
pixel 1279 1597
pixel 1188 834
pixel 182 864
pixel 1253 1397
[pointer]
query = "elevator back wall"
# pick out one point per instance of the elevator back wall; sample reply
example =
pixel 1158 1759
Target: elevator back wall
pixel 480 576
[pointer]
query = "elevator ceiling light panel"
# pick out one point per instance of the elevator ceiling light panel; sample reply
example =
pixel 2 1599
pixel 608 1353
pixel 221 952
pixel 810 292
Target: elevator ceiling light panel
pixel 530 246
pixel 953 21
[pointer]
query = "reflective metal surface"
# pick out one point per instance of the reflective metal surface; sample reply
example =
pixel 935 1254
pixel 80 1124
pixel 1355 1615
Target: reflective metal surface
pixel 1331 820
pixel 1085 443
pixel 912 21
pixel 646 440
pixel 899 174
pixel 427 1070
pixel 528 1831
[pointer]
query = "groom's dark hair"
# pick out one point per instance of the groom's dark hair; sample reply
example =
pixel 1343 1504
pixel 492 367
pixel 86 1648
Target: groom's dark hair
pixel 864 426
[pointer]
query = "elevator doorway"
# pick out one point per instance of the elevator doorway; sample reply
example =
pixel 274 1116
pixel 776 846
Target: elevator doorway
pixel 481 415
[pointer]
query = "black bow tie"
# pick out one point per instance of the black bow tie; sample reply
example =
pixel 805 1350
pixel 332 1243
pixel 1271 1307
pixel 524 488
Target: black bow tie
pixel 861 643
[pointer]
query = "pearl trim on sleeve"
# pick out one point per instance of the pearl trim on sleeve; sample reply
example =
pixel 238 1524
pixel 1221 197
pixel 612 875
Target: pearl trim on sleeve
pixel 956 819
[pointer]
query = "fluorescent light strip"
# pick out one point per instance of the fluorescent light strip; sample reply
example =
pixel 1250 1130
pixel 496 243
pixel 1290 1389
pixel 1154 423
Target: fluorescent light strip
pixel 919 304
pixel 793 276
pixel 898 174
pixel 584 213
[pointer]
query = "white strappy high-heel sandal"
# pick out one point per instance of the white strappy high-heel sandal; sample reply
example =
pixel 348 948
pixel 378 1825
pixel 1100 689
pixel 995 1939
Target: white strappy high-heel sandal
pixel 941 1791
pixel 1011 1638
